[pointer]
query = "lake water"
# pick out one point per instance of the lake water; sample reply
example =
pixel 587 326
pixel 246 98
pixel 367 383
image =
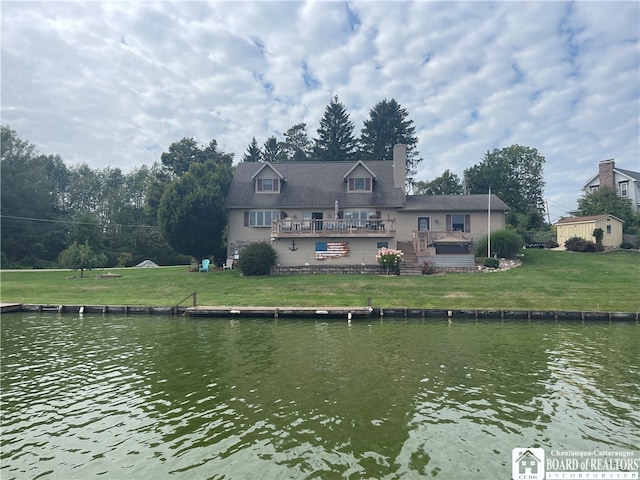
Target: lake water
pixel 153 397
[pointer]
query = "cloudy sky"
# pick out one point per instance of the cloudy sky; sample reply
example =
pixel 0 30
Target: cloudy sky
pixel 115 83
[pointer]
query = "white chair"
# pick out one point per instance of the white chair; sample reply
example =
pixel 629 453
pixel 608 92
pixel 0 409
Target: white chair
pixel 228 265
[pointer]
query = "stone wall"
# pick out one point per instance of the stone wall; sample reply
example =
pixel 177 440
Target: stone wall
pixel 327 269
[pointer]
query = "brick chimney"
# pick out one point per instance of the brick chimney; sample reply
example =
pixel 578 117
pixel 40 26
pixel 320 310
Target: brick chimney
pixel 606 173
pixel 399 167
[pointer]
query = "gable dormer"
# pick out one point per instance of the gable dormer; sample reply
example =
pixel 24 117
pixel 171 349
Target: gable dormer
pixel 267 179
pixel 359 179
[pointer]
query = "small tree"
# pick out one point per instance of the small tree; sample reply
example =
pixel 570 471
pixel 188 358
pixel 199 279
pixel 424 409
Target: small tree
pixel 257 259
pixel 80 257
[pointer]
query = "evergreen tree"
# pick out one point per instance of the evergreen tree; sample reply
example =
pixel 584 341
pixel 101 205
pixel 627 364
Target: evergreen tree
pixel 388 125
pixel 335 140
pixel 297 145
pixel 273 150
pixel 253 153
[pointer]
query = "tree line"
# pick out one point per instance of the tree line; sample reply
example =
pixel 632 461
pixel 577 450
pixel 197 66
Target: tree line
pixel 173 211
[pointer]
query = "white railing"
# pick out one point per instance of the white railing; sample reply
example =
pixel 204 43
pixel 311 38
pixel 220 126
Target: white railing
pixel 426 238
pixel 337 226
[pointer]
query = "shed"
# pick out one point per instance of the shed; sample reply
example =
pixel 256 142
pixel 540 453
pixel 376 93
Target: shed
pixel 147 264
pixel 583 227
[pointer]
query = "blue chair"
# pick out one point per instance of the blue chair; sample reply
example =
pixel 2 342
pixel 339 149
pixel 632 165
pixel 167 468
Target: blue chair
pixel 205 265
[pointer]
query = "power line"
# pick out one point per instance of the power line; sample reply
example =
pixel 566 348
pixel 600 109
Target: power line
pixel 72 222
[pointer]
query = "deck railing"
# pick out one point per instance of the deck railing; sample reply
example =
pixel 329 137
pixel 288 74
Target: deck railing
pixel 426 238
pixel 336 227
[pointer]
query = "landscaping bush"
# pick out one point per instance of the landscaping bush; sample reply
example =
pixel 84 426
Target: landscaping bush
pixel 504 244
pixel 551 244
pixel 491 262
pixel 428 268
pixel 257 259
pixel 626 245
pixel 577 244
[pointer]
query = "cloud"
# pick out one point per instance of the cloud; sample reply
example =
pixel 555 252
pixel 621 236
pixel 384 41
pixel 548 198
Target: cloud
pixel 115 83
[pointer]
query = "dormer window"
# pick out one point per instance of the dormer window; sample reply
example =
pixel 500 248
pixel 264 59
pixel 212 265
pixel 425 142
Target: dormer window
pixel 359 178
pixel 268 185
pixel 360 184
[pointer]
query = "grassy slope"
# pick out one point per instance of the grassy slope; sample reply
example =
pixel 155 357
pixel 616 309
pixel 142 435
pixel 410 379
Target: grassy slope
pixel 548 280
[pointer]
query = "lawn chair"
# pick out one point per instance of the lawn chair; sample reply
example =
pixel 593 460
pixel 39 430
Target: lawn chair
pixel 205 265
pixel 228 265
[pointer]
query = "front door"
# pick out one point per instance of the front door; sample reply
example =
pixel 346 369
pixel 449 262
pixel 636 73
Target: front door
pixel 423 224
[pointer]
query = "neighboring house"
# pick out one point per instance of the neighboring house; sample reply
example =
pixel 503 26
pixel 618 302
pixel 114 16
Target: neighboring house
pixel 314 213
pixel 583 227
pixel 625 182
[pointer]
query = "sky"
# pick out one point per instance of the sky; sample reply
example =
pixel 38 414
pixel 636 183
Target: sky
pixel 114 83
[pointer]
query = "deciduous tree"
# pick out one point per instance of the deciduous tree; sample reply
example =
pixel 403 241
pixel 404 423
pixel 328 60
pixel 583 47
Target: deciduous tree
pixel 446 184
pixel 514 174
pixel 605 200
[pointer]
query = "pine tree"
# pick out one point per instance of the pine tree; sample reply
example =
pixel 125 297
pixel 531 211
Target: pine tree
pixel 253 153
pixel 297 145
pixel 335 136
pixel 388 125
pixel 273 150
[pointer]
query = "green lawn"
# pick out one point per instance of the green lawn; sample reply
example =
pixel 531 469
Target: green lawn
pixel 547 280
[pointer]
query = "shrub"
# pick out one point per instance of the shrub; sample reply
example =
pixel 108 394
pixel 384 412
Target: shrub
pixel 504 244
pixel 577 244
pixel 551 244
pixel 389 258
pixel 491 262
pixel 428 268
pixel 626 245
pixel 257 259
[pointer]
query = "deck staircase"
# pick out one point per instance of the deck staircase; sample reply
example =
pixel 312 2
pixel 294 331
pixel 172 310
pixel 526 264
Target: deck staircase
pixel 409 265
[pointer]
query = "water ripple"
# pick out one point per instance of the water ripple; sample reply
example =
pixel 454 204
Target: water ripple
pixel 159 397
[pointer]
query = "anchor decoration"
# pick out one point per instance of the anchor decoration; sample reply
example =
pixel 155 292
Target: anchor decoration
pixel 293 247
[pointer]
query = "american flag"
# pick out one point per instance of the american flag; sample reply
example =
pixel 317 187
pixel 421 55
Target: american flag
pixel 326 250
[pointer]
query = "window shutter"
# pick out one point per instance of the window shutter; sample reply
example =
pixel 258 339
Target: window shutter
pixel 246 218
pixel 276 184
pixel 351 185
pixel 259 184
pixel 367 184
pixel 448 221
pixel 378 214
pixel 467 223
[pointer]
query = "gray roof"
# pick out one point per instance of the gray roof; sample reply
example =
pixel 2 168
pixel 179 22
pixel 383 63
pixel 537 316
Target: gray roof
pixel 629 173
pixel 467 203
pixel 313 184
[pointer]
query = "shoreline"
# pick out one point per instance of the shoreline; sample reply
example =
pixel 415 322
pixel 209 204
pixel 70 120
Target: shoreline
pixel 346 312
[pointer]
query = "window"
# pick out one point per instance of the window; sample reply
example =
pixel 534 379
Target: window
pixel 380 245
pixel 360 184
pixel 624 189
pixel 260 218
pixel 267 185
pixel 459 223
pixel 608 229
